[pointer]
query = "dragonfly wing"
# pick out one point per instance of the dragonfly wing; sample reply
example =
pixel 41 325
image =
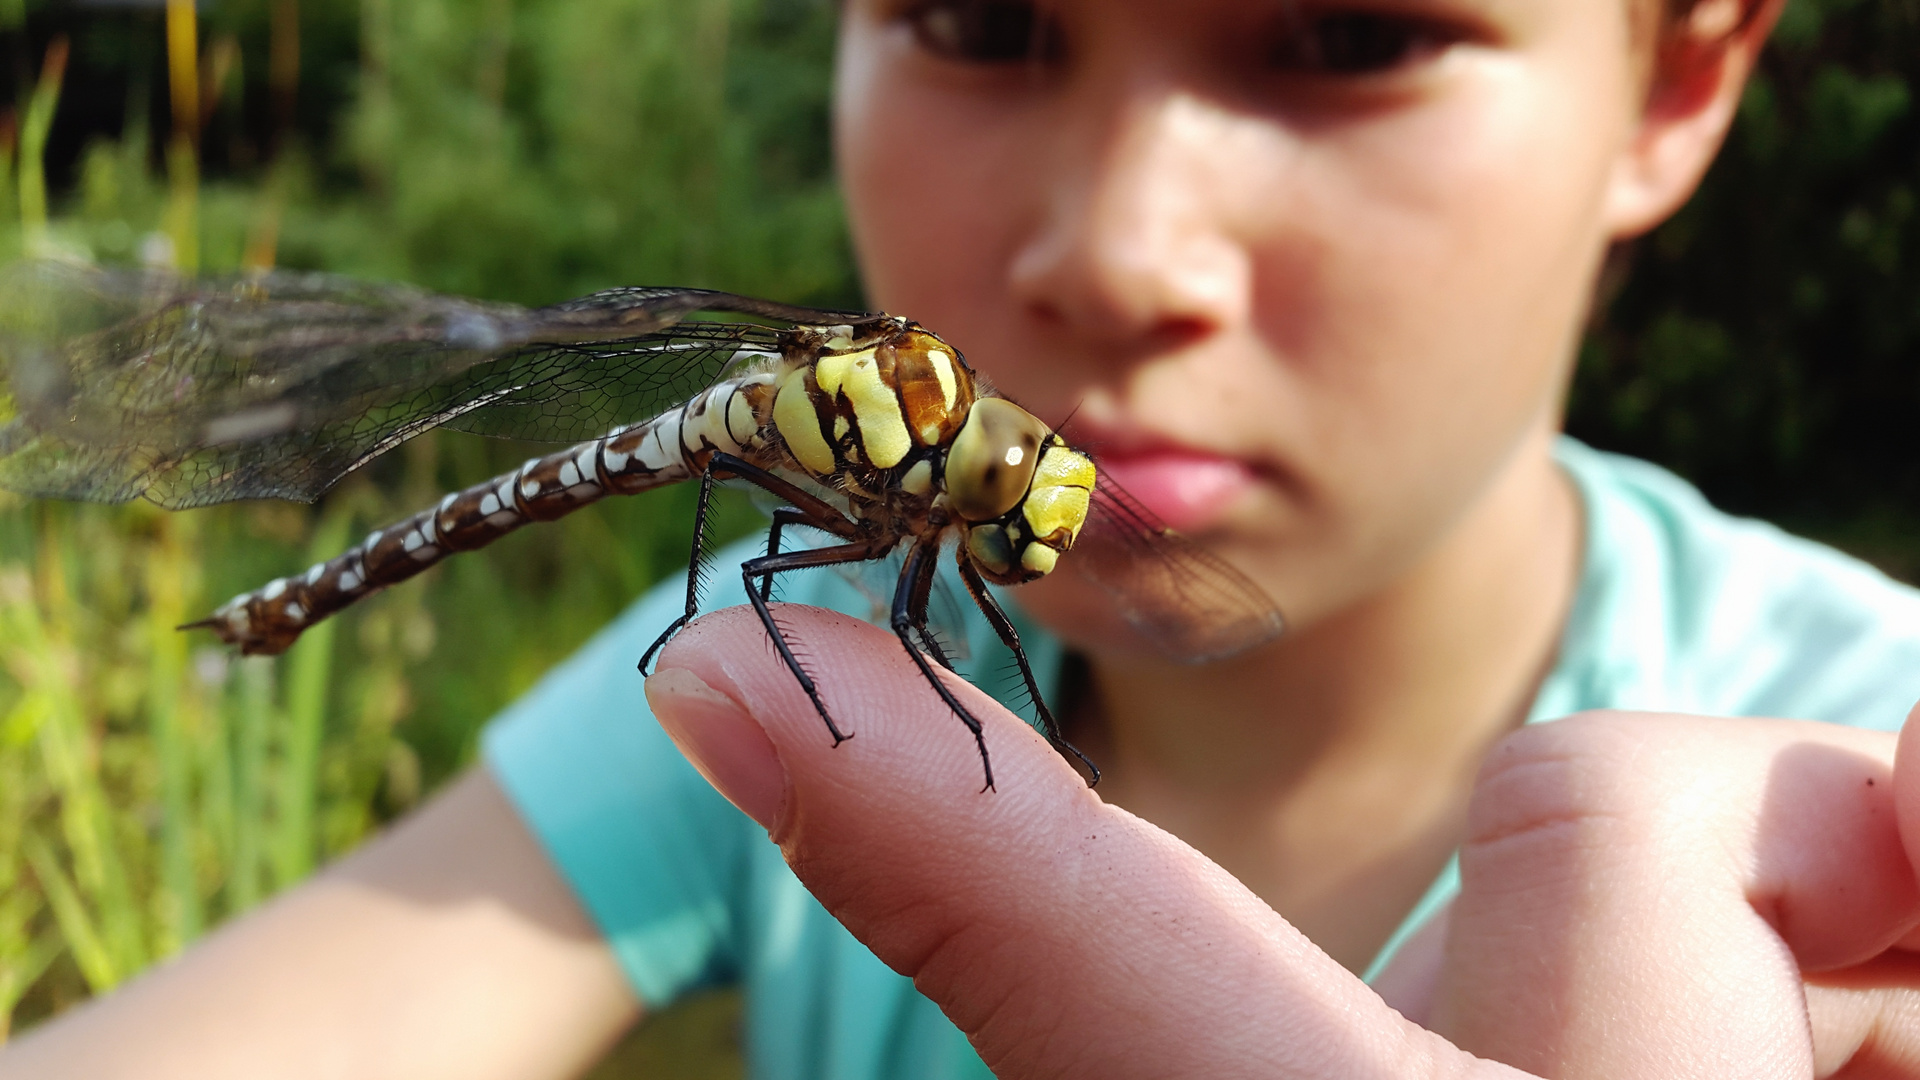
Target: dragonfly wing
pixel 633 309
pixel 589 382
pixel 123 383
pixel 1185 600
pixel 946 619
pixel 127 384
pixel 582 390
pixel 877 579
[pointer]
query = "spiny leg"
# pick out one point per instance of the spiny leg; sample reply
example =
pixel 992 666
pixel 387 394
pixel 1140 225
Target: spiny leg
pixel 1003 626
pixel 769 565
pixel 808 509
pixel 814 510
pixel 922 594
pixel 773 546
pixel 788 515
pixel 909 616
pixel 701 519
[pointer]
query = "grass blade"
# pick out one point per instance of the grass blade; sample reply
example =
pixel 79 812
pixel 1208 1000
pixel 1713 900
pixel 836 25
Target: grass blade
pixel 82 934
pixel 309 674
pixel 181 915
pixel 252 704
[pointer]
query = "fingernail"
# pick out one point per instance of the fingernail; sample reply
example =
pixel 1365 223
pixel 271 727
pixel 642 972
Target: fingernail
pixel 728 747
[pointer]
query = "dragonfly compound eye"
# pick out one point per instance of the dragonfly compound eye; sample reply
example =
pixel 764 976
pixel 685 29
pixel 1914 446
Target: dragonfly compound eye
pixel 1028 540
pixel 991 463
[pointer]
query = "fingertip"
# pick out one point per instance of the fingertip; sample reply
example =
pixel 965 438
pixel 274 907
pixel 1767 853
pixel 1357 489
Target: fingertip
pixel 723 742
pixel 868 685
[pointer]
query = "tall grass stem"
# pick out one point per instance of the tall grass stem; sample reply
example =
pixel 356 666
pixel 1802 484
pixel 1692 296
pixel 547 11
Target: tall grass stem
pixel 34 127
pixel 309 678
pixel 252 704
pixel 181 917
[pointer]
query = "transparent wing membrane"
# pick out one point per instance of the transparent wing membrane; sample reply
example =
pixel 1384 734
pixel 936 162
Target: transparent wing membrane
pixel 125 384
pixel 1189 603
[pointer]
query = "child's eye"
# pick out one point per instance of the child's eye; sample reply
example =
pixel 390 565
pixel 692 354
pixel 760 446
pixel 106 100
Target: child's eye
pixel 1355 42
pixel 985 31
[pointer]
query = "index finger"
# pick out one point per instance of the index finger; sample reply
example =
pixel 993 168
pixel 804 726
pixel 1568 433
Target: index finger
pixel 1067 937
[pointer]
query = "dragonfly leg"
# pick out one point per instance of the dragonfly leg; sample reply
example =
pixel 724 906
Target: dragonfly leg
pixel 909 617
pixel 817 512
pixel 1003 626
pixel 808 509
pixel 765 567
pixel 792 516
pixel 922 594
pixel 701 521
pixel 786 515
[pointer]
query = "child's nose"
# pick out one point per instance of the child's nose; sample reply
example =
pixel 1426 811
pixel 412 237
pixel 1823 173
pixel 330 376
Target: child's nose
pixel 1136 238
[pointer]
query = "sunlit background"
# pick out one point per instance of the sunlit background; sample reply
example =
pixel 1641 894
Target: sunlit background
pixel 1766 344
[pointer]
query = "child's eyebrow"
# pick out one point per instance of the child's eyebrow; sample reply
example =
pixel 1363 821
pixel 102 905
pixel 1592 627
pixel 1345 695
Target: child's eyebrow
pixel 1484 18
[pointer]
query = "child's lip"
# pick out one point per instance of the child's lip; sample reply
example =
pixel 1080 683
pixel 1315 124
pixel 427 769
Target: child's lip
pixel 1188 487
pixel 1189 490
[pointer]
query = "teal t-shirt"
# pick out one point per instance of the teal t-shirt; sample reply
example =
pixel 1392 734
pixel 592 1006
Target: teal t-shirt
pixel 1680 608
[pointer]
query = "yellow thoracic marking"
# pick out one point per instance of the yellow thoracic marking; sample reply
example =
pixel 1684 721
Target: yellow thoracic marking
pixel 831 371
pixel 943 370
pixel 840 427
pixel 1062 487
pixel 883 430
pixel 793 414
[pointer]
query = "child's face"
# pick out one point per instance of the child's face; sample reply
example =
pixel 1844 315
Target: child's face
pixel 1307 299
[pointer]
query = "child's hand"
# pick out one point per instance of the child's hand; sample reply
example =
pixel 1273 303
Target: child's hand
pixel 1641 892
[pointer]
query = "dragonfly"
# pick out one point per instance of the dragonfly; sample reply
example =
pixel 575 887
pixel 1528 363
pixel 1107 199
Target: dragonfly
pixel 865 427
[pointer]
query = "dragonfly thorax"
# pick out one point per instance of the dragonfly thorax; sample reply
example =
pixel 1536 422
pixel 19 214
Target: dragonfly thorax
pixel 867 408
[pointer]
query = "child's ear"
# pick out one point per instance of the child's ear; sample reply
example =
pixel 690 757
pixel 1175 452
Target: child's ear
pixel 1699 67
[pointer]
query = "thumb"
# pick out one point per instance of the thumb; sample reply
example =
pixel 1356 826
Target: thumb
pixel 1066 937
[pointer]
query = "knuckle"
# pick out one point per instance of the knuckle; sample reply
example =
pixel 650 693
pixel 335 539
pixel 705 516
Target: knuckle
pixel 1566 779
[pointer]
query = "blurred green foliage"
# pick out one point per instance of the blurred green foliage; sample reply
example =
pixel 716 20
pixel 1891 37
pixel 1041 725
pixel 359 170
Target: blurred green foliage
pixel 528 150
pixel 1764 344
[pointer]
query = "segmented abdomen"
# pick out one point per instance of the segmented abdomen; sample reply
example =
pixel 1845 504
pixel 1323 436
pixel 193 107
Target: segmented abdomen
pixel 732 416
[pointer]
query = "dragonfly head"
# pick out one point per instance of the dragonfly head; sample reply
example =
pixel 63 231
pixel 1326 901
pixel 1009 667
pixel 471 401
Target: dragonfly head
pixel 1021 491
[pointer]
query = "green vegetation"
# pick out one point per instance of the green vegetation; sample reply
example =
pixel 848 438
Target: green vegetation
pixel 151 786
pixel 1767 342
